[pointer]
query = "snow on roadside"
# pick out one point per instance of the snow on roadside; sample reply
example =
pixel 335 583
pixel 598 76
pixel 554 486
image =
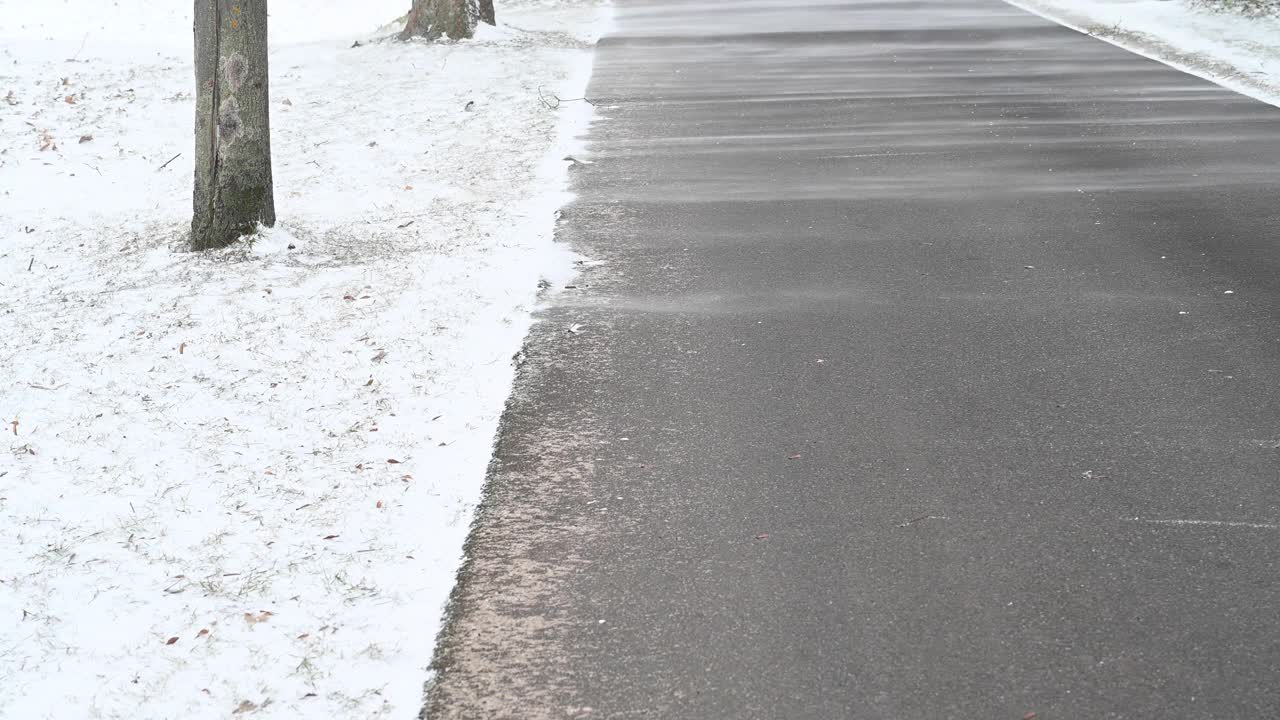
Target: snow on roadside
pixel 238 483
pixel 1234 50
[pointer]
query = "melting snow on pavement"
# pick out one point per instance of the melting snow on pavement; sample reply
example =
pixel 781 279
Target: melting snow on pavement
pixel 238 483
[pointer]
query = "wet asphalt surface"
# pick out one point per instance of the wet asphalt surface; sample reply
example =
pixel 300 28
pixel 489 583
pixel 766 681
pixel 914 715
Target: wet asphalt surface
pixel 931 371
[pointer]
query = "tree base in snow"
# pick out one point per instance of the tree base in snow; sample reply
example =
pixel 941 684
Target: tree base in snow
pixel 434 19
pixel 233 186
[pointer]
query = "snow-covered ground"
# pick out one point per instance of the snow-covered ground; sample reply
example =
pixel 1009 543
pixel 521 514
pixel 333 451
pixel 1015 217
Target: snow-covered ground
pixel 237 484
pixel 1232 49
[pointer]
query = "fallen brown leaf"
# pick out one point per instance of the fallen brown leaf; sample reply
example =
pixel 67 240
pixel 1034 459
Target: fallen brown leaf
pixel 171 640
pixel 244 707
pixel 392 461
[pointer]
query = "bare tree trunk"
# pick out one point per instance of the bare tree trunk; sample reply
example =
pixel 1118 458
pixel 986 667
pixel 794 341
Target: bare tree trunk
pixel 233 189
pixel 432 19
pixel 486 12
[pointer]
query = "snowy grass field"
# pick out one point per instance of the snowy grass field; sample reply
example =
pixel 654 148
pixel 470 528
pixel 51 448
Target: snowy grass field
pixel 237 484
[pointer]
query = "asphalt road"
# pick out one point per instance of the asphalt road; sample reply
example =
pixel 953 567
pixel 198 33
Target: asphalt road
pixel 931 372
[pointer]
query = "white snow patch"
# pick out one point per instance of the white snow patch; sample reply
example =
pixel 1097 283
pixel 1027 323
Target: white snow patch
pixel 1211 523
pixel 241 480
pixel 1234 50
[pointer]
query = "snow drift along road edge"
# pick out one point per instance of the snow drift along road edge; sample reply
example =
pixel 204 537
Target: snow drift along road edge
pixel 1219 48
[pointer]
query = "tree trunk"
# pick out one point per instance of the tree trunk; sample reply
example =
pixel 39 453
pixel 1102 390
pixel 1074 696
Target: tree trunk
pixel 432 19
pixel 486 12
pixel 233 190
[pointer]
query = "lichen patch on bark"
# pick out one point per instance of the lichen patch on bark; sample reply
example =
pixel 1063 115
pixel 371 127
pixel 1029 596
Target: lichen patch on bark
pixel 235 68
pixel 230 126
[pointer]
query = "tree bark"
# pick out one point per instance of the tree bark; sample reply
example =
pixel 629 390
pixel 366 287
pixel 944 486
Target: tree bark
pixel 432 19
pixel 486 12
pixel 233 188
